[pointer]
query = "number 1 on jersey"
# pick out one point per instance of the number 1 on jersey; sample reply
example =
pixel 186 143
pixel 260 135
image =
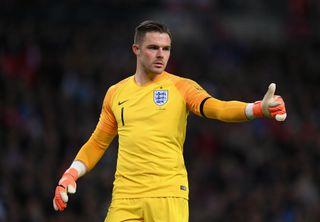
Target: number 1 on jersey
pixel 122 119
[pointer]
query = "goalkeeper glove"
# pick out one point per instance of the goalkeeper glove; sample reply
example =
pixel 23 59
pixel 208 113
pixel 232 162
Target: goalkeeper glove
pixel 67 184
pixel 271 106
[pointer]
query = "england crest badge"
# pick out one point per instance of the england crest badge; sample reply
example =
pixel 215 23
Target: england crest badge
pixel 160 97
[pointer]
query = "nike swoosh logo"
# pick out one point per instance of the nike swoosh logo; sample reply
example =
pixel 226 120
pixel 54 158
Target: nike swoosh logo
pixel 120 103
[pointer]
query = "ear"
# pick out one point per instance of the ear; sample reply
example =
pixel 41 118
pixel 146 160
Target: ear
pixel 136 49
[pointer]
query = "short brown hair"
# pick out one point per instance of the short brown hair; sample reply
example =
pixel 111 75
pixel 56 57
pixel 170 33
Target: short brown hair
pixel 149 26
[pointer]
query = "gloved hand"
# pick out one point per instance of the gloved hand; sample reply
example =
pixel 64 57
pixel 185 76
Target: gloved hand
pixel 271 106
pixel 67 184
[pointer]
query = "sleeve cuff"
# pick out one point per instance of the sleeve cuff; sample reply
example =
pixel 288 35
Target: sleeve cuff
pixel 79 166
pixel 249 111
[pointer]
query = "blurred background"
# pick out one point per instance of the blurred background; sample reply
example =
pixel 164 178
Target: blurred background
pixel 58 58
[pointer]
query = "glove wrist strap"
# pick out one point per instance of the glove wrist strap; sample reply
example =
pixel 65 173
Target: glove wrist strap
pixel 73 173
pixel 257 109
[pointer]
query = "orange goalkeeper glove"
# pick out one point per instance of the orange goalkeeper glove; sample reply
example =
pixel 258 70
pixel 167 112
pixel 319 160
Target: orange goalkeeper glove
pixel 67 184
pixel 271 106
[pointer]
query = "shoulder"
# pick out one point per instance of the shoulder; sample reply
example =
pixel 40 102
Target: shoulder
pixel 112 89
pixel 174 78
pixel 171 76
pixel 180 82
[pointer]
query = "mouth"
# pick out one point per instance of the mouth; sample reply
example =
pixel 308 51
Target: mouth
pixel 158 64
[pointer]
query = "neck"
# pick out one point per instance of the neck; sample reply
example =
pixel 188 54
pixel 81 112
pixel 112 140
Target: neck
pixel 142 78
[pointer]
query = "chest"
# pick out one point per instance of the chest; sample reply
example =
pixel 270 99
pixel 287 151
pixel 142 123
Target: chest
pixel 154 104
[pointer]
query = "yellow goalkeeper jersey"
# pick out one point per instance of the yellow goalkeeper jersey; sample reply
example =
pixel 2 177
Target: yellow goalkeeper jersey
pixel 151 124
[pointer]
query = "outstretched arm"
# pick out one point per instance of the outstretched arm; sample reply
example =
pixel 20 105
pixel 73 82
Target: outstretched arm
pixel 271 106
pixel 226 111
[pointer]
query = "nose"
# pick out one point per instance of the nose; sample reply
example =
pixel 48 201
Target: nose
pixel 160 53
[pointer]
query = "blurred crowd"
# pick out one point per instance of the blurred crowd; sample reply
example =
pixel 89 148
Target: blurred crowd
pixel 58 58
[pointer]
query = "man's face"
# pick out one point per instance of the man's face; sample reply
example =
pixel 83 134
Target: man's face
pixel 153 52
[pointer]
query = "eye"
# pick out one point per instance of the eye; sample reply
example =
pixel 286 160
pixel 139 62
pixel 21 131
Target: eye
pixel 167 48
pixel 154 47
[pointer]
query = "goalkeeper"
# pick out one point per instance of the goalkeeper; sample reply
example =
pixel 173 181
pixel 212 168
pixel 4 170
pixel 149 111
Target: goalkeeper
pixel 148 111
